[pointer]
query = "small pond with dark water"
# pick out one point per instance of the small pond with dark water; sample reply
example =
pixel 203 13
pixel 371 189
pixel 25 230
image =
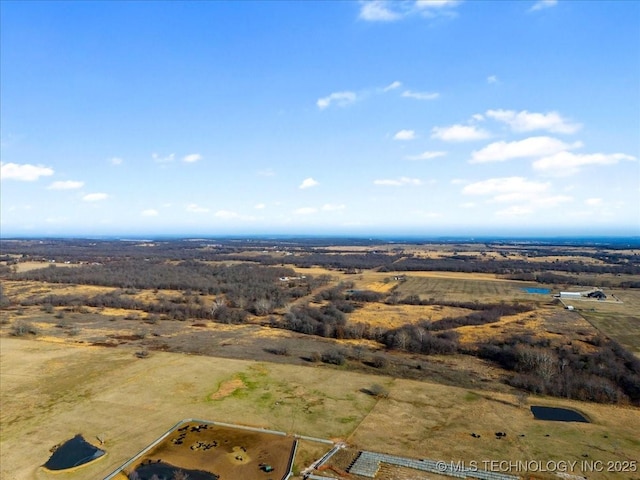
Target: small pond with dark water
pixel 73 453
pixel 557 414
pixel 161 469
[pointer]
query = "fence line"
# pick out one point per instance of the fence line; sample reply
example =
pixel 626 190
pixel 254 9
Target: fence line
pixel 153 444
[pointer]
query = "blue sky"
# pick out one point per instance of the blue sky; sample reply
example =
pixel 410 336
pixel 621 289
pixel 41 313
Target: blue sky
pixel 426 117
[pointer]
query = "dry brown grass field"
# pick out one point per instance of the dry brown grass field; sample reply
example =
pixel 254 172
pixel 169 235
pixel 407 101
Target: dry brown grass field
pixel 393 316
pixel 457 287
pixel 80 374
pixel 620 321
pixel 26 266
pixel 50 392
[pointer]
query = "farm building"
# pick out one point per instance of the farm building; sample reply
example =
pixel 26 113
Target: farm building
pixel 594 293
pixel 597 294
pixel 570 294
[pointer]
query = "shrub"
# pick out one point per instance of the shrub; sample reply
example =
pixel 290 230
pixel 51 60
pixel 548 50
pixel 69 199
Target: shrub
pixel 23 328
pixel 380 361
pixel 280 350
pixel 333 356
pixel 378 391
pixel 73 331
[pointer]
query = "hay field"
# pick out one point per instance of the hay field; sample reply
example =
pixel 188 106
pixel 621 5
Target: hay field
pixel 27 266
pixel 393 316
pixel 50 392
pixel 449 287
pixel 620 321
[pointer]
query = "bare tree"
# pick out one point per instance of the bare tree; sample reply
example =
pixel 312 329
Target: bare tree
pixel 263 306
pixel 217 304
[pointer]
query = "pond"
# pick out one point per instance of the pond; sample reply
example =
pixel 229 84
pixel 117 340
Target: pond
pixel 557 414
pixel 73 453
pixel 537 291
pixel 166 470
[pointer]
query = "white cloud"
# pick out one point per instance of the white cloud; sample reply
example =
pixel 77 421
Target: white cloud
pixel 550 201
pixel 330 207
pixel 593 202
pixel 459 133
pixel 506 188
pixel 150 212
pixel 195 208
pixel 432 8
pixel 542 4
pixel 308 183
pixel 95 197
pixel 390 11
pixel 116 161
pixel 468 205
pixel 529 121
pixel 341 99
pixel 492 79
pixel 378 11
pixel 405 135
pixel 305 211
pixel 23 172
pixel 259 206
pixel 402 181
pixel 392 86
pixel 267 172
pixel 426 155
pixel 420 95
pixel 529 147
pixel 65 185
pixel 567 163
pixel 192 158
pixel 515 211
pixel 158 159
pixel 226 214
pixel 348 97
pixel 231 215
pixel 525 196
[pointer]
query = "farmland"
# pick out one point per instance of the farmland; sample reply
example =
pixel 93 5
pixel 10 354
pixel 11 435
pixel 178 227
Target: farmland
pixel 302 348
pixel 108 389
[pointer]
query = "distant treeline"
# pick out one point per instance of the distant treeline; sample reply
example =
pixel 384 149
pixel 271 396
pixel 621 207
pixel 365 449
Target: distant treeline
pixel 159 274
pixel 310 253
pixel 554 278
pixel 460 263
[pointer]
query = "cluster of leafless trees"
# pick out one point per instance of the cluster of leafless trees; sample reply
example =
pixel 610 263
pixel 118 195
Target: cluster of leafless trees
pixel 608 374
pixel 160 274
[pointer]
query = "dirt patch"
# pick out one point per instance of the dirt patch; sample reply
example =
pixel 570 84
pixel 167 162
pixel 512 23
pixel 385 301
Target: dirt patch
pixel 224 451
pixel 227 388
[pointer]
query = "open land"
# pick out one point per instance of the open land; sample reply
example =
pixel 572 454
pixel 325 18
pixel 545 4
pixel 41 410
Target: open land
pixel 62 390
pixel 80 357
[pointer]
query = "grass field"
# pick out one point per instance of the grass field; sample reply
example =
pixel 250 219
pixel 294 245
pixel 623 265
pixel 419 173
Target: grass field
pixel 452 287
pixel 620 321
pixel 50 392
pixel 393 316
